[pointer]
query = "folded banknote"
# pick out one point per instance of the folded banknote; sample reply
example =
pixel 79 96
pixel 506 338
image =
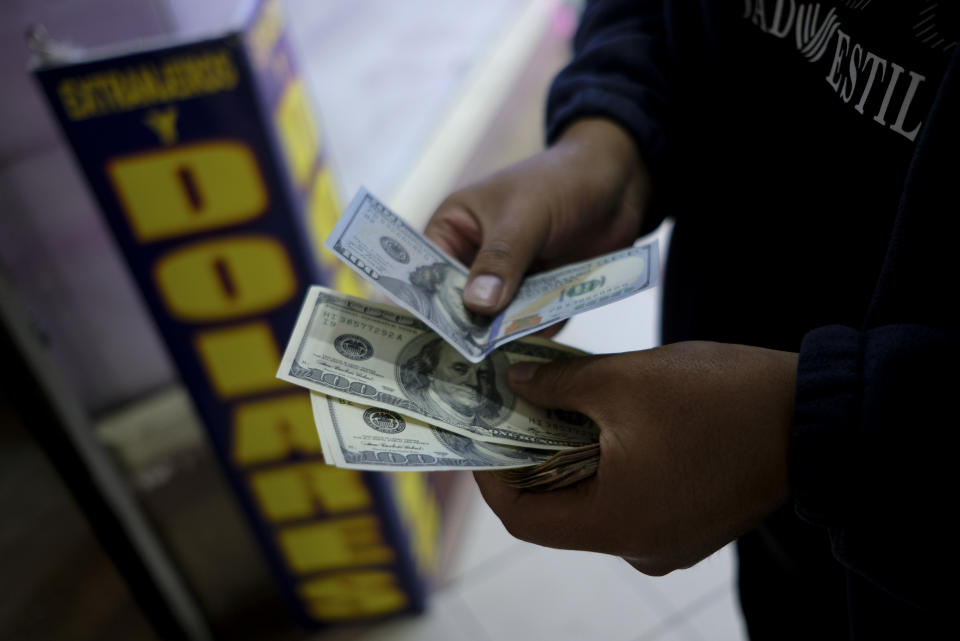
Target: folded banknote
pixel 414 273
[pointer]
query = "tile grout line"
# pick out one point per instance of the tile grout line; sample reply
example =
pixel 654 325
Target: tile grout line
pixel 683 614
pixel 486 567
pixel 646 589
pixel 477 627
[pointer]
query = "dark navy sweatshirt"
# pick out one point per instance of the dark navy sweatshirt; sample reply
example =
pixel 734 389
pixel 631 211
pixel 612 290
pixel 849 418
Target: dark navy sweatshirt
pixel 807 152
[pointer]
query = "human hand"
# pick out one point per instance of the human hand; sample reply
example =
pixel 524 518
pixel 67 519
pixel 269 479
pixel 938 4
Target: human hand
pixel 581 197
pixel 693 452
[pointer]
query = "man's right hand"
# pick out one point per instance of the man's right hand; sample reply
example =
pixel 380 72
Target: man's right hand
pixel 581 197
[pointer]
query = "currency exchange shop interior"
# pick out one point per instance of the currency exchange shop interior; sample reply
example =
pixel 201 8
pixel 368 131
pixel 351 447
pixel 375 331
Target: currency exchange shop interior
pixel 130 514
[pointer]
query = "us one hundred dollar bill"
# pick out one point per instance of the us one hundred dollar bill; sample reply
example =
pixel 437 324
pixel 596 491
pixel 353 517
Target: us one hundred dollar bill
pixel 381 356
pixel 427 282
pixel 372 438
pixel 360 437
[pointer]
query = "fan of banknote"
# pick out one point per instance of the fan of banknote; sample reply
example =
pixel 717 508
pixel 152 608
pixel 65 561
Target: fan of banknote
pixel 389 394
pixel 560 470
pixel 423 386
pixel 415 274
pixel 361 437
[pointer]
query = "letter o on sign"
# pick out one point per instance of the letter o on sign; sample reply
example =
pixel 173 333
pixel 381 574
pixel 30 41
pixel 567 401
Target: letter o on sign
pixel 225 278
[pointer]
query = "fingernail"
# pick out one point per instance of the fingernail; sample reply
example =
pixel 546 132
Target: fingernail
pixel 483 289
pixel 522 372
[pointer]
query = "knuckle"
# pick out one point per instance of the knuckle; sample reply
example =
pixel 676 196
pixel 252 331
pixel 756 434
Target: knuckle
pixel 441 215
pixel 658 569
pixel 545 533
pixel 516 523
pixel 519 530
pixel 571 379
pixel 495 251
pixel 649 567
pixel 560 379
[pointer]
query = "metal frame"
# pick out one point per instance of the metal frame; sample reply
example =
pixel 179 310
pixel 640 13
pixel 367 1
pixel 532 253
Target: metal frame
pixel 62 428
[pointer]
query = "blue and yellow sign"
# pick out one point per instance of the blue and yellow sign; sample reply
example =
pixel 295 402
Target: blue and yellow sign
pixel 208 165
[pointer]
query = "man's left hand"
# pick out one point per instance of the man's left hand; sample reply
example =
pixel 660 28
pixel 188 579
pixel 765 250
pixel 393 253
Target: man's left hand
pixel 693 451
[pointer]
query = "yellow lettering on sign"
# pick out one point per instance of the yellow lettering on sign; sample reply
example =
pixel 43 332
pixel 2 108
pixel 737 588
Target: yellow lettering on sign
pixel 334 544
pixel 358 594
pixel 163 122
pixel 240 360
pixel 188 189
pixel 225 278
pixel 297 130
pixel 304 490
pixel 421 514
pixel 323 210
pixel 273 429
pixel 265 32
pixel 346 280
pixel 175 78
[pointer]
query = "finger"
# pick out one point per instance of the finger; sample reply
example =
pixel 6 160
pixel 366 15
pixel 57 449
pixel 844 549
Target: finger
pixel 455 230
pixel 556 518
pixel 569 384
pixel 507 249
pixel 551 330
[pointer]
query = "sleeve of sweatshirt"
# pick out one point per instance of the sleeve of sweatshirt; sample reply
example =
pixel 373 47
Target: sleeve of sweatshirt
pixel 871 450
pixel 617 72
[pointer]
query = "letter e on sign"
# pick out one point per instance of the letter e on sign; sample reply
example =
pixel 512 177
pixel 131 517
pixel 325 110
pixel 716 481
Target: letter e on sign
pixel 359 593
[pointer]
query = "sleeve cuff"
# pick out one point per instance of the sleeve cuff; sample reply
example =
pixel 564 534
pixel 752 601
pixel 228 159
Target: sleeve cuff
pixel 596 101
pixel 827 404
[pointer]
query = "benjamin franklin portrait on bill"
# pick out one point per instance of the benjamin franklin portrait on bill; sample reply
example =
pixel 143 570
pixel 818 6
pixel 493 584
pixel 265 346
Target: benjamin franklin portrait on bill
pixel 446 385
pixel 436 293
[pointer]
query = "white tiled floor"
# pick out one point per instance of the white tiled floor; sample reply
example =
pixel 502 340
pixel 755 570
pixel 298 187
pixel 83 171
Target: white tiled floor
pixel 502 589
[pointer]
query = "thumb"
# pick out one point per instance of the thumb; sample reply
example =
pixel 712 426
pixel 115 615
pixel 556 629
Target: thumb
pixel 565 385
pixel 507 249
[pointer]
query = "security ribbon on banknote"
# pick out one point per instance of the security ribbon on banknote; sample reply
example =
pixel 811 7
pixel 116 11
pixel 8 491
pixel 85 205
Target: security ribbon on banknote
pixel 380 356
pixel 427 282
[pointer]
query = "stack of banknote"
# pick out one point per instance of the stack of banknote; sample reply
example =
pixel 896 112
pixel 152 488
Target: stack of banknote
pixel 389 394
pixel 423 387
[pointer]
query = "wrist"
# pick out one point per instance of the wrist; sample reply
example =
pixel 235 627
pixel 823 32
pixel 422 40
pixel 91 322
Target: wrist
pixel 612 180
pixel 603 141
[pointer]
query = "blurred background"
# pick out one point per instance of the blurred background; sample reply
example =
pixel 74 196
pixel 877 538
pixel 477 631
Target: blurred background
pixel 142 501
